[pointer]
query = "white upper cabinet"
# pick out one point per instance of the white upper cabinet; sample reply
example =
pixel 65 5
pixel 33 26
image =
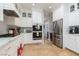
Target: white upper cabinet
pixel 37 16
pixel 1 12
pixel 9 6
pixel 25 20
pixel 19 22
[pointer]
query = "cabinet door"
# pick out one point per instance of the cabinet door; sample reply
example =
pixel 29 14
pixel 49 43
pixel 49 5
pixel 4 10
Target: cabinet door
pixel 74 43
pixel 37 16
pixel 1 12
pixel 9 6
pixel 27 38
pixel 2 52
pixel 71 43
pixel 76 40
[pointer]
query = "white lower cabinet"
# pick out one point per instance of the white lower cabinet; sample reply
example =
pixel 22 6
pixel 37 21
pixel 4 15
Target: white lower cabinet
pixel 27 38
pixel 73 43
pixel 76 40
pixel 10 49
pixel 3 52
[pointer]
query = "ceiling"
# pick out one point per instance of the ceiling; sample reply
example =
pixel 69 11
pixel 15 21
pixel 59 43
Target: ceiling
pixel 44 6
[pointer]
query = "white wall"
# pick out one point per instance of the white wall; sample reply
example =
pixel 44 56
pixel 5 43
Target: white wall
pixel 58 13
pixel 70 41
pixel 1 12
pixel 3 28
pixel 4 24
pixel 9 20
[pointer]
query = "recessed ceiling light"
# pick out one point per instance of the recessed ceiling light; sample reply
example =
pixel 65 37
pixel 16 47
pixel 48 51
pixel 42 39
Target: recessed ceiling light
pixel 50 7
pixel 33 4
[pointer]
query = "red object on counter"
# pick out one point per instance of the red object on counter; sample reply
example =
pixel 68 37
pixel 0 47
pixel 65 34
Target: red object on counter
pixel 19 50
pixel 21 46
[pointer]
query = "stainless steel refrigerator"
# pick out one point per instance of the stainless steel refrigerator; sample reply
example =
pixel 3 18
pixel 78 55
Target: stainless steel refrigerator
pixel 58 33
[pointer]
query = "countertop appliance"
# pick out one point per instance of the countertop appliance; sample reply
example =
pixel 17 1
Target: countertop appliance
pixel 74 29
pixel 13 31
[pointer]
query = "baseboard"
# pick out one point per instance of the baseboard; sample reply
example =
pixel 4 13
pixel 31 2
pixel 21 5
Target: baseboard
pixel 72 51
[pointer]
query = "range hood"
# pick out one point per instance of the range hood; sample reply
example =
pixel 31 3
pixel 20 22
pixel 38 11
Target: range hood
pixel 10 13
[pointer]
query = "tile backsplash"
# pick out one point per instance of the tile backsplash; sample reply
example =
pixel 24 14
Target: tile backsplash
pixel 26 30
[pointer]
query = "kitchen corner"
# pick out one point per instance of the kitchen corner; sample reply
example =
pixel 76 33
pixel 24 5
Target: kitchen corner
pixel 17 28
pixel 10 37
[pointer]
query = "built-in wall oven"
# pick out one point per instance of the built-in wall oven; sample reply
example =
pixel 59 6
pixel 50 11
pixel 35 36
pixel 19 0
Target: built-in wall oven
pixel 37 32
